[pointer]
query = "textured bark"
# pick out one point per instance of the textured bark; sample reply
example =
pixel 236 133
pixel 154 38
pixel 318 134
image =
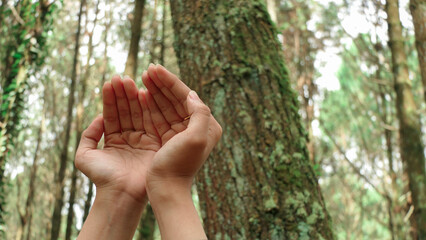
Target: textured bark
pixel 411 145
pixel 132 57
pixel 418 10
pixel 60 177
pixel 258 182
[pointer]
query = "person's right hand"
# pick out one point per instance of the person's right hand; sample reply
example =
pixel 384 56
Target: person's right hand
pixel 188 133
pixel 185 125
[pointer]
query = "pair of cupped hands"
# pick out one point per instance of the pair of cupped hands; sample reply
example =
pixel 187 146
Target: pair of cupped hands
pixel 156 140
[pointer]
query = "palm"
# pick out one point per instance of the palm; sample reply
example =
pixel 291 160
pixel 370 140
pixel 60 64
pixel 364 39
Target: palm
pixel 125 159
pixel 123 162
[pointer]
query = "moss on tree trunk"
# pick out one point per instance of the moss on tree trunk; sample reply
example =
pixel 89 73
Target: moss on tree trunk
pixel 258 182
pixel 410 140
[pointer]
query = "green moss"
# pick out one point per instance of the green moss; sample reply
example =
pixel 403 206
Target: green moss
pixel 270 198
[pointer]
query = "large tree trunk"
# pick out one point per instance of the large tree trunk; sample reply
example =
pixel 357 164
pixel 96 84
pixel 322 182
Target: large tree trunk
pixel 418 10
pixel 411 145
pixel 60 177
pixel 258 183
pixel 132 57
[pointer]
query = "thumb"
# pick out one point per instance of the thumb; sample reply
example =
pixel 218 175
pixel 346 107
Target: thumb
pixel 92 135
pixel 200 115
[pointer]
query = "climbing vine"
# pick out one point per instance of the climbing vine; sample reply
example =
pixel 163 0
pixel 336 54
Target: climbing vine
pixel 23 53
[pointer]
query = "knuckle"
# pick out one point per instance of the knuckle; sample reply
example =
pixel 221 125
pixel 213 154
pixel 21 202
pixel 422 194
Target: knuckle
pixel 197 141
pixel 204 109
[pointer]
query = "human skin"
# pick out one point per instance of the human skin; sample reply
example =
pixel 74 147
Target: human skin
pixel 151 150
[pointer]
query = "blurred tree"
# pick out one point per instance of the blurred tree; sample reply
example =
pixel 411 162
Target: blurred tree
pixel 25 49
pixel 300 47
pixel 79 120
pixel 410 140
pixel 132 57
pixel 26 216
pixel 418 10
pixel 60 177
pixel 258 182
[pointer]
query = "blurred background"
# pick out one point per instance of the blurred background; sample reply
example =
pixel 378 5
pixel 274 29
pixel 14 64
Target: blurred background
pixel 356 92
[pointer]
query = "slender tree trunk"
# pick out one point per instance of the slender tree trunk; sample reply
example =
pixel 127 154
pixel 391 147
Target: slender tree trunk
pixel 258 182
pixel 131 71
pixel 132 58
pixel 411 145
pixel 29 227
pixel 418 10
pixel 31 188
pixel 88 201
pixel 147 225
pixel 163 34
pixel 60 177
pixel 152 54
pixel 80 127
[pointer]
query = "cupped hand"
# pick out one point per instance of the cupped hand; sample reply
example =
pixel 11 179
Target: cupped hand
pixel 130 145
pixel 187 129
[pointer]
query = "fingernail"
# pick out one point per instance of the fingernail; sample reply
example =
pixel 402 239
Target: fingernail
pixel 126 76
pixel 151 64
pixel 193 95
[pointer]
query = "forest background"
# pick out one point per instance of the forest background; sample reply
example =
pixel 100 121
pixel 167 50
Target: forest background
pixel 352 126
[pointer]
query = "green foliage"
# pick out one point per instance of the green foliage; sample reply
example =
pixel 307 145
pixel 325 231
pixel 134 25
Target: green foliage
pixel 27 50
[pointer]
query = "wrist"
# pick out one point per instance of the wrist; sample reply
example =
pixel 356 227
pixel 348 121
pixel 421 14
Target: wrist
pixel 114 215
pixel 165 188
pixel 176 214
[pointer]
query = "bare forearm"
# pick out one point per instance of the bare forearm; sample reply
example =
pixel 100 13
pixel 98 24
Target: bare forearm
pixel 176 214
pixel 113 216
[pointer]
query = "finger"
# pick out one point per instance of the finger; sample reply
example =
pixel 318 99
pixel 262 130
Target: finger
pixel 122 104
pixel 173 88
pixel 92 135
pixel 135 107
pixel 164 105
pixel 147 120
pixel 160 123
pixel 110 113
pixel 200 116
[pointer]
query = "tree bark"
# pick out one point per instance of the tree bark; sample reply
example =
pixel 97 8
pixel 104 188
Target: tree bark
pixel 258 182
pixel 60 177
pixel 410 137
pixel 418 10
pixel 132 57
